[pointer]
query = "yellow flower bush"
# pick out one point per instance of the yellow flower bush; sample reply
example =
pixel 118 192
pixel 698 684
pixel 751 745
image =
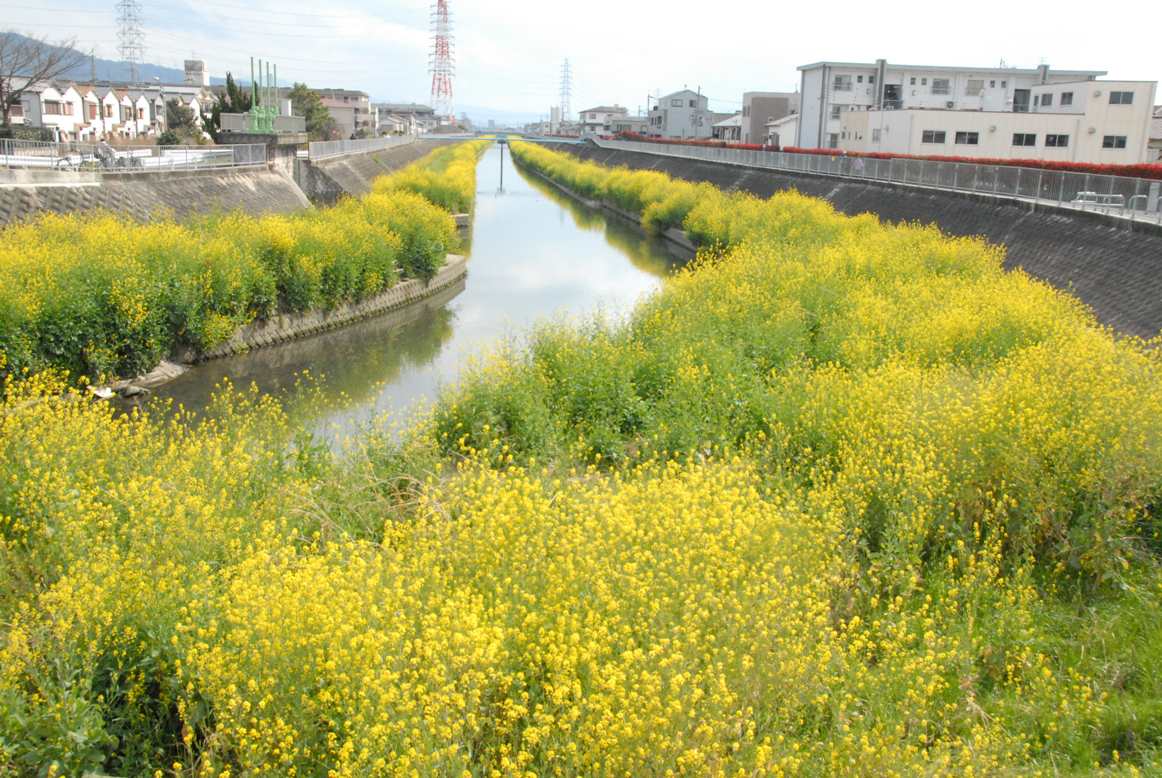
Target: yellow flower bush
pixel 446 177
pixel 103 295
pixel 843 498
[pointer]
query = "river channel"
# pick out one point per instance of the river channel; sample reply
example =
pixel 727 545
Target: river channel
pixel 534 255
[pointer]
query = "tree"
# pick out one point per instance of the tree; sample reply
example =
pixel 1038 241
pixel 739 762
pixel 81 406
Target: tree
pixel 179 124
pixel 26 61
pixel 234 100
pixel 306 103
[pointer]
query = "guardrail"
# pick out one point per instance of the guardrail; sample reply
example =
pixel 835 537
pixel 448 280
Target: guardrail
pixel 327 149
pixel 1134 199
pixel 100 157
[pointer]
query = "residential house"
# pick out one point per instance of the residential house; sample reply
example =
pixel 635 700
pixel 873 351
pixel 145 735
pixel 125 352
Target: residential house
pixel 683 115
pixel 351 110
pixel 417 118
pixel 782 132
pixel 829 89
pixel 628 125
pixel 760 108
pixel 597 121
pixel 1105 122
pixel 729 130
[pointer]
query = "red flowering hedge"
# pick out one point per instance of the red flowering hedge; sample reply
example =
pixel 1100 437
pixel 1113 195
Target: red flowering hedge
pixel 1151 170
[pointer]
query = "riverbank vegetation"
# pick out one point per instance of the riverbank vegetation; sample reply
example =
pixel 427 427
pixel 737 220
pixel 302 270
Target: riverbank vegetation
pixel 447 177
pixel 842 498
pixel 103 295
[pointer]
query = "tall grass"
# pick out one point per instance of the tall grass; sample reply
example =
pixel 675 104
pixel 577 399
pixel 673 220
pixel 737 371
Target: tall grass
pixel 843 498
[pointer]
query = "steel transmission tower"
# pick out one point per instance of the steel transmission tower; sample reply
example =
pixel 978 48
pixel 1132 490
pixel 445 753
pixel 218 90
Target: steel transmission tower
pixel 566 91
pixel 443 62
pixel 130 38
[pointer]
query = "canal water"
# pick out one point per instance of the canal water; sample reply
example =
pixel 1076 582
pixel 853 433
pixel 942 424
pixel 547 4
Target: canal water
pixel 534 255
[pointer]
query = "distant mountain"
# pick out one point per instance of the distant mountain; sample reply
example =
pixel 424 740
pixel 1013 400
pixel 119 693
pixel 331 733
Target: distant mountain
pixel 115 70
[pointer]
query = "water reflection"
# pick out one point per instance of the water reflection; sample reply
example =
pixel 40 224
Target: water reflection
pixel 535 253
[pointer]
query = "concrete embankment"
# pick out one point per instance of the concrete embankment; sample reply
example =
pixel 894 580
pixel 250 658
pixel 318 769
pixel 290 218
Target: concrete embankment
pixel 1114 269
pixel 286 327
pixel 257 190
pixel 324 182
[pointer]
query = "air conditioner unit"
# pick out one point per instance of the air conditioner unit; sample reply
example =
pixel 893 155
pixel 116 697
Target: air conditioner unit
pixel 1092 130
pixel 1097 93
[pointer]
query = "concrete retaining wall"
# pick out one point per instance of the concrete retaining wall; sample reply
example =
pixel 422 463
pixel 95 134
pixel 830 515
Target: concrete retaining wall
pixel 326 181
pixel 1116 270
pixel 259 190
pixel 287 327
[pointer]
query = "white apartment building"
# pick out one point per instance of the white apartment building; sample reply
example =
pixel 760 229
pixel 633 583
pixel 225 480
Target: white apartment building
pixel 829 89
pixel 597 121
pixel 1154 152
pixel 1105 122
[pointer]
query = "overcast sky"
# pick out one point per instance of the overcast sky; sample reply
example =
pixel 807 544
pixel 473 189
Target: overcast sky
pixel 509 53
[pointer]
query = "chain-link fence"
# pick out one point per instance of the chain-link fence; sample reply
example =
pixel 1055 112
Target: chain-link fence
pixel 102 157
pixel 1136 199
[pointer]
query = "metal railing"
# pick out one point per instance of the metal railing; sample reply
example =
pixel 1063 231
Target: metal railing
pixel 102 157
pixel 1134 199
pixel 327 149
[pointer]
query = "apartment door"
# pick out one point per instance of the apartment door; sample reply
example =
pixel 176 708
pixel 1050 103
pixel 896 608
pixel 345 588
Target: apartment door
pixel 1021 100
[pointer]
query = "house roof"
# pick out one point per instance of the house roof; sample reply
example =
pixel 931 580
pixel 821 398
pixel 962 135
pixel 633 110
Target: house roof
pixel 606 109
pixel 733 121
pixel 784 120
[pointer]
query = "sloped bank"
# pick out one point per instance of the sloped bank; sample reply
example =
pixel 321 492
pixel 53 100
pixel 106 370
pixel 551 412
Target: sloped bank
pixel 1115 270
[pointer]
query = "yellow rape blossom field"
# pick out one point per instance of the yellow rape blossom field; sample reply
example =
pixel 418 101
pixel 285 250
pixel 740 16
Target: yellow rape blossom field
pixel 103 295
pixel 843 498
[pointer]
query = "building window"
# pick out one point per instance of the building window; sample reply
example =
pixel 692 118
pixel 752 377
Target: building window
pixel 932 136
pixel 1121 98
pixel 1004 85
pixel 1067 98
pixel 676 102
pixel 108 112
pixel 1113 142
pixel 1056 141
pixel 835 110
pixel 968 138
pixel 692 104
pixel 859 79
pixel 141 113
pixel 92 112
pixel 1024 139
pixel 876 135
pixel 941 86
pixel 913 81
pixel 923 82
pixel 1046 100
pixel 17 111
pixel 1036 100
pixel 833 140
pixel 871 79
pixel 974 87
pixel 992 84
pixel 842 84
